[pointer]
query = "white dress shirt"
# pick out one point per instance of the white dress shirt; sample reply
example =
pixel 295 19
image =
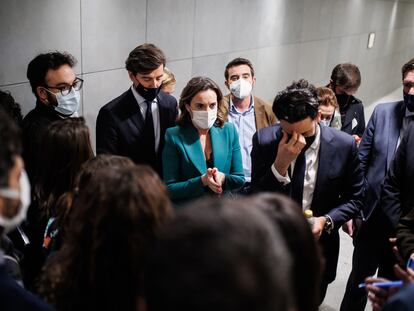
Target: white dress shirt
pixel 312 162
pixel 155 114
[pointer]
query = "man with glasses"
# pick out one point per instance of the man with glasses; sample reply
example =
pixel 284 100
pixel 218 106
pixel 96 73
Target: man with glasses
pixel 372 249
pixel 315 165
pixel 56 88
pixel 134 123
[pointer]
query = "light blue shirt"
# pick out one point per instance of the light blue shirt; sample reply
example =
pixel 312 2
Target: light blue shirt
pixel 245 124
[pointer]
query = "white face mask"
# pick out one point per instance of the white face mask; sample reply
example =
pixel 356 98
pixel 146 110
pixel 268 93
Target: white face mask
pixel 204 119
pixel 23 195
pixel 241 88
pixel 325 122
pixel 68 104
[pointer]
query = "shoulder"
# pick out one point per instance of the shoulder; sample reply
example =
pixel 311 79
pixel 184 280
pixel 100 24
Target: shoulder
pixel 268 134
pixel 118 102
pixel 339 137
pixel 167 100
pixel 262 103
pixel 388 107
pixel 173 131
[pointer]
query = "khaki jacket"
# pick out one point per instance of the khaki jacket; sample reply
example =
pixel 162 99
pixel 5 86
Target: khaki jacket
pixel 263 113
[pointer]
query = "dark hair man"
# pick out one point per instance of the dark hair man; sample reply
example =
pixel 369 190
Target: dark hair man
pixel 317 166
pixel 56 88
pixel 14 200
pixel 345 81
pixel 134 124
pixel 246 111
pixel 379 143
pixel 219 255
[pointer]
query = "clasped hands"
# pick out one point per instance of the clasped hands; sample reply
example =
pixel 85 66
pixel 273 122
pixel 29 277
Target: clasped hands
pixel 214 179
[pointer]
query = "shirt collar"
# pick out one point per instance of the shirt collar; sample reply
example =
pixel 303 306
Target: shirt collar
pixel 234 109
pixel 317 141
pixel 140 100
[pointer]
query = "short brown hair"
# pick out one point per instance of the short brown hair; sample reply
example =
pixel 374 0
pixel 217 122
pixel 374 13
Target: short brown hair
pixel 347 76
pixel 238 62
pixel 193 87
pixel 326 97
pixel 145 58
pixel 409 66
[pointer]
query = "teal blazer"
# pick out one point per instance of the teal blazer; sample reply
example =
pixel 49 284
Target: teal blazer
pixel 184 162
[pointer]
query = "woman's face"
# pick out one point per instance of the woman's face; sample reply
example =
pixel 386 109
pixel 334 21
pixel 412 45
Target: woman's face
pixel 203 101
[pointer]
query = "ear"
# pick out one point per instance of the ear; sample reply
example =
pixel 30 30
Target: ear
pixel 132 77
pixel 253 81
pixel 188 108
pixel 42 94
pixel 318 116
pixel 226 84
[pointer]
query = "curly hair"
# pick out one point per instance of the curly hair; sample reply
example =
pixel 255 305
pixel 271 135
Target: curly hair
pixel 113 222
pixel 9 106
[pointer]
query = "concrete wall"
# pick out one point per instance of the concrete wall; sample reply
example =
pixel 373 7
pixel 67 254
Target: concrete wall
pixel 285 40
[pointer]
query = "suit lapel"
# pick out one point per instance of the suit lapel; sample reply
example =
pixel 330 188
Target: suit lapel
pixel 218 146
pixel 132 106
pixel 192 146
pixel 259 113
pixel 326 158
pixel 393 130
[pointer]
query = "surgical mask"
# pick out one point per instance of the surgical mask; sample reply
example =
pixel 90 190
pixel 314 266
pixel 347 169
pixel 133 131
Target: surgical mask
pixel 23 196
pixel 204 119
pixel 241 88
pixel 325 122
pixel 148 93
pixel 67 105
pixel 409 101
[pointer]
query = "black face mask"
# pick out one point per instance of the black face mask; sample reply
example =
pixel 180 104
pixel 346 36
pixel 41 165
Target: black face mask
pixel 409 101
pixel 148 93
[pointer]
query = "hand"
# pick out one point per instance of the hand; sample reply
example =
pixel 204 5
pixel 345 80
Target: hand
pixel 288 151
pixel 213 179
pixel 357 139
pixel 348 227
pixel 397 255
pixel 406 275
pixel 378 296
pixel 318 226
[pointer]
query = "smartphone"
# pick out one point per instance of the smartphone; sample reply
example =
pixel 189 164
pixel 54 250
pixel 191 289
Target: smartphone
pixel 410 263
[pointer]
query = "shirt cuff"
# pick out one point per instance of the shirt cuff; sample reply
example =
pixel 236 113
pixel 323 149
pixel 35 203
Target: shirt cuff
pixel 283 179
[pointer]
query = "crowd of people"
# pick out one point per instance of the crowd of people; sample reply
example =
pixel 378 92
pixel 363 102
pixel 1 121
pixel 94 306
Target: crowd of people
pixel 209 203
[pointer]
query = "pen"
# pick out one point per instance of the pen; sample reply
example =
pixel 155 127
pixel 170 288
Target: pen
pixel 382 284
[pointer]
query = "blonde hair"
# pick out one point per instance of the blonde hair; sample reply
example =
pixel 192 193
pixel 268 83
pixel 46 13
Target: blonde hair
pixel 326 97
pixel 168 78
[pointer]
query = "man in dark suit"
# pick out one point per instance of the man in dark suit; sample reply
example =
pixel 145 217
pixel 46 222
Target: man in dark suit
pixel 372 249
pixel 316 166
pixel 345 81
pixel 134 123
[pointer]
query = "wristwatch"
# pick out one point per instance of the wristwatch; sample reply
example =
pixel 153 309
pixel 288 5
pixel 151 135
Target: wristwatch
pixel 328 224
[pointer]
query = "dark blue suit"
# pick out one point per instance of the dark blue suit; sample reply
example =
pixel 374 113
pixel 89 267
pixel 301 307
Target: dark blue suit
pixel 338 186
pixel 401 301
pixel 372 248
pixel 14 298
pixel 120 128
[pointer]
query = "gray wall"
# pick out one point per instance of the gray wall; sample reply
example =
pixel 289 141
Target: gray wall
pixel 285 40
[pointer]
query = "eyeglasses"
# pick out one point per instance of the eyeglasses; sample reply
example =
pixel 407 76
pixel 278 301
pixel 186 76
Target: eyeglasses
pixel 408 85
pixel 65 90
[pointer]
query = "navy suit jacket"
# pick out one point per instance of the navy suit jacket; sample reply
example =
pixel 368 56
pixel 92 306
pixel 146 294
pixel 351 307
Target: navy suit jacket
pixel 339 182
pixel 120 125
pixel 377 149
pixel 401 301
pixel 14 298
pixel 398 192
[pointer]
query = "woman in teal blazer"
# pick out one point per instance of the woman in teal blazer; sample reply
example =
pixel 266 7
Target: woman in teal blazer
pixel 202 153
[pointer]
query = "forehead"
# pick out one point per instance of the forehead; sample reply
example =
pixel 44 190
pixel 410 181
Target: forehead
pixel 155 73
pixel 300 127
pixel 342 90
pixel 62 75
pixel 239 70
pixel 409 77
pixel 204 97
pixel 326 109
